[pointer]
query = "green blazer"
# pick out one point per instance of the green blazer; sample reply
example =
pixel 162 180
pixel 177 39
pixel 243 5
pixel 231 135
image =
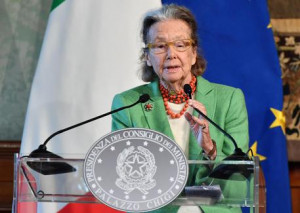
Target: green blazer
pixel 225 105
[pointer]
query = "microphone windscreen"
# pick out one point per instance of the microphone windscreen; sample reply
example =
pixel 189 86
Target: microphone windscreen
pixel 144 98
pixel 188 90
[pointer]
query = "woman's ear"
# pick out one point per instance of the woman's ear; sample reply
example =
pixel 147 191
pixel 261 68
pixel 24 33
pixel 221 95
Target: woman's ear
pixel 194 59
pixel 147 58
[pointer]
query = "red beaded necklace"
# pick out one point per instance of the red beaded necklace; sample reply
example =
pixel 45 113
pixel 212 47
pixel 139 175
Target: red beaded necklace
pixel 176 98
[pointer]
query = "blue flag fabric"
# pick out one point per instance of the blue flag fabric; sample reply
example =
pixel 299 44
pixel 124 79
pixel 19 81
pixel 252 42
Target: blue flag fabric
pixel 237 42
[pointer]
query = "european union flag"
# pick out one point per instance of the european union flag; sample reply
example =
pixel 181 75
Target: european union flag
pixel 237 42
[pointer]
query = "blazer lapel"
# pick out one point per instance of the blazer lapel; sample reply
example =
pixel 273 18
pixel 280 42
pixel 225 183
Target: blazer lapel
pixel 156 117
pixel 205 95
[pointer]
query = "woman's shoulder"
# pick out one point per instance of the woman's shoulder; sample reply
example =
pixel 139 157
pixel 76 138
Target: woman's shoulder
pixel 133 94
pixel 222 93
pixel 138 90
pixel 220 88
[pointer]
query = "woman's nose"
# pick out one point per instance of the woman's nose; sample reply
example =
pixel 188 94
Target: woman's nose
pixel 171 53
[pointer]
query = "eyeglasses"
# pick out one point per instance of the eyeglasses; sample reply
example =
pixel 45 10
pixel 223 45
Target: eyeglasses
pixel 162 47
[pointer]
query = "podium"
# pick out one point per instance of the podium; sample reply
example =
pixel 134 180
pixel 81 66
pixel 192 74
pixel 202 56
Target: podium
pixel 201 190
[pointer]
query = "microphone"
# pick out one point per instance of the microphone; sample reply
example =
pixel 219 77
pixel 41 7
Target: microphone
pixel 48 168
pixel 225 171
pixel 188 90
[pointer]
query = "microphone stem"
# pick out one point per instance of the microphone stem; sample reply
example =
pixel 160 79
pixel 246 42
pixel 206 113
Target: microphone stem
pixel 87 121
pixel 219 128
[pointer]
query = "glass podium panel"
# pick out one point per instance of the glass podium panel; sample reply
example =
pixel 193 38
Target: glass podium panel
pixel 223 183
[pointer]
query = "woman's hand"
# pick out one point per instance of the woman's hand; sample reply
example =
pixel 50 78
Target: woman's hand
pixel 200 128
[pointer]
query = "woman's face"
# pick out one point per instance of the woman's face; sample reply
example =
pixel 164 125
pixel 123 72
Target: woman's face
pixel 172 66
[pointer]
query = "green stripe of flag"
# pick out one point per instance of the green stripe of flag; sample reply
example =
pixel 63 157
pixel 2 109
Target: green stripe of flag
pixel 56 3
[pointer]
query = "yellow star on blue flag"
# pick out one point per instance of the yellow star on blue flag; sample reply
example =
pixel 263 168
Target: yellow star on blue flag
pixel 254 152
pixel 280 119
pixel 269 26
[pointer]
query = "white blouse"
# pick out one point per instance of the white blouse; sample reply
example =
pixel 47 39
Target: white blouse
pixel 181 131
pixel 180 127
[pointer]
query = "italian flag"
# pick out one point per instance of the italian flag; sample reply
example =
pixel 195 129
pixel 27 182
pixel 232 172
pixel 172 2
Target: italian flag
pixel 90 53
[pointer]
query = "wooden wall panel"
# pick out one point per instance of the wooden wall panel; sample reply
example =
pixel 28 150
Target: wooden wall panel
pixel 284 8
pixel 7 150
pixel 295 185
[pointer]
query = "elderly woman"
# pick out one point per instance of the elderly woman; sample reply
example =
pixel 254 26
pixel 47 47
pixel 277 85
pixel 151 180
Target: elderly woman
pixel 171 59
